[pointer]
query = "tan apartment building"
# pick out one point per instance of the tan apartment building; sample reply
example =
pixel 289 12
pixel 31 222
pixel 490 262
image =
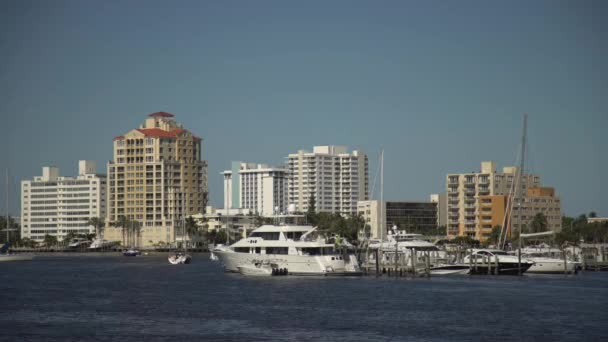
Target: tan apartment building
pixel 157 177
pixel 542 200
pixel 465 190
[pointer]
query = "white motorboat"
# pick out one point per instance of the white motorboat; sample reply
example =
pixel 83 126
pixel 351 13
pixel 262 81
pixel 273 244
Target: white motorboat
pixel 450 269
pixel 548 260
pixel 79 243
pixel 101 244
pixel 179 258
pixel 297 250
pixel 480 259
pixel 259 268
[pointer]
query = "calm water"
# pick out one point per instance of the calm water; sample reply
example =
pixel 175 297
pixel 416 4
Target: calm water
pixel 114 298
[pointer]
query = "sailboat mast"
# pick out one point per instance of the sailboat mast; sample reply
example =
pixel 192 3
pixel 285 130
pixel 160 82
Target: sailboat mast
pixel 519 189
pixel 7 225
pixel 382 235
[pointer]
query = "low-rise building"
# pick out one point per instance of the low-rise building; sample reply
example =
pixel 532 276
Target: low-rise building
pixel 406 215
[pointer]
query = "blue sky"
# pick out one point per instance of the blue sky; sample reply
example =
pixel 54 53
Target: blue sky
pixel 440 85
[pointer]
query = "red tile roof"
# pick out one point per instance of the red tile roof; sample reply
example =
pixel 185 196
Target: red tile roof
pixel 161 115
pixel 157 132
pixel 119 137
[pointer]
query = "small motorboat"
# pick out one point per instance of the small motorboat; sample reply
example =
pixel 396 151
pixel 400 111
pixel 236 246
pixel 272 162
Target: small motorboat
pixel 131 252
pixel 258 268
pixel 179 258
pixel 447 269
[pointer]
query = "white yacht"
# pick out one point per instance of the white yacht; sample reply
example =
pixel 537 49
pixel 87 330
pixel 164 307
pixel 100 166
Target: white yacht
pixel 295 250
pixel 548 260
pixel 480 259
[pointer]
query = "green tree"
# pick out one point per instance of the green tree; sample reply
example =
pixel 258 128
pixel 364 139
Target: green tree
pixel 539 223
pixel 592 214
pixel 50 240
pixel 14 232
pixel 494 235
pixel 122 223
pixel 220 236
pixel 465 241
pixel 311 214
pixel 192 230
pixel 99 224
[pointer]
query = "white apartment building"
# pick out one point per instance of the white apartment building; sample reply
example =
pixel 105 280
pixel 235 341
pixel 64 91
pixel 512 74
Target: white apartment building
pixel 337 179
pixel 257 187
pixel 466 190
pixel 55 205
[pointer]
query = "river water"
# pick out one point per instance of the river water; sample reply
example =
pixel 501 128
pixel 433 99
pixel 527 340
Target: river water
pixel 114 298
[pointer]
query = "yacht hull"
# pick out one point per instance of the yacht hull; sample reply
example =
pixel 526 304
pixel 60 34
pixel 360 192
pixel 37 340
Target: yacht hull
pixel 504 268
pixel 551 266
pixel 295 264
pixel 16 257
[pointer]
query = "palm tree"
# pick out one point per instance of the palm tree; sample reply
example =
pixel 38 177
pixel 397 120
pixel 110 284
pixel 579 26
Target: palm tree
pixel 123 224
pixel 135 230
pixel 98 223
pixel 192 229
pixel 539 223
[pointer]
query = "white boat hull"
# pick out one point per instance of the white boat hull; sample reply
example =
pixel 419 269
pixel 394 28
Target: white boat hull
pixel 179 260
pixel 551 265
pixel 250 270
pixel 295 264
pixel 450 270
pixel 16 257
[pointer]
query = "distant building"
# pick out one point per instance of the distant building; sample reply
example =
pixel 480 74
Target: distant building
pixel 157 177
pixel 542 200
pixel 408 216
pixel 597 219
pixel 56 205
pixel 442 209
pixel 257 187
pixel 477 201
pixel 337 179
pixel 239 222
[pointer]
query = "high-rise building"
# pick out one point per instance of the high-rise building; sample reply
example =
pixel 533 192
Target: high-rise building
pixel 442 209
pixel 257 187
pixel 55 205
pixel 337 179
pixel 157 177
pixel 406 215
pixel 477 201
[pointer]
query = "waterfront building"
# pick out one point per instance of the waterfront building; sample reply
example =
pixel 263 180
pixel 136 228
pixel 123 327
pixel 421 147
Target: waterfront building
pixel 336 178
pixel 56 205
pixel 157 177
pixel 257 187
pixel 542 200
pixel 442 209
pixel 477 201
pixel 406 215
pixel 238 222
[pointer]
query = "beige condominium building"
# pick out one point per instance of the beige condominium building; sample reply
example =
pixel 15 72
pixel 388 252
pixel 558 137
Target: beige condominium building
pixel 467 193
pixel 157 177
pixel 337 179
